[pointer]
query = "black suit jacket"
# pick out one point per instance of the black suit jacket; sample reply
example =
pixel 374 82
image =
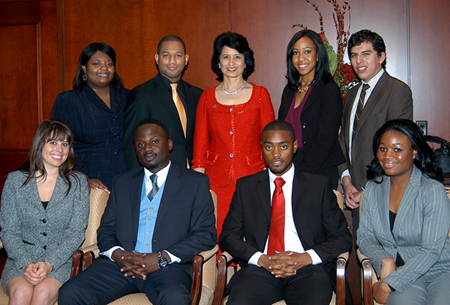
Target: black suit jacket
pixel 320 223
pixel 321 119
pixel 153 99
pixel 185 224
pixel 390 99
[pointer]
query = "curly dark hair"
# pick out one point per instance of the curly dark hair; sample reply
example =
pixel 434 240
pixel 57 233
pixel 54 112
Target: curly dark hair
pixel 49 130
pixel 322 67
pixel 86 54
pixel 424 159
pixel 239 43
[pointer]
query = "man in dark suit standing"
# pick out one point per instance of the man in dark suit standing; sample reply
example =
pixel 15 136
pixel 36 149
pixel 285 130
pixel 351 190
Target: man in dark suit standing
pixel 168 98
pixel 377 99
pixel 157 219
pixel 285 227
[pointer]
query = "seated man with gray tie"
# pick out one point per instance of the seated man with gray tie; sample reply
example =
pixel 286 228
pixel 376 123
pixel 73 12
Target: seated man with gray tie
pixel 157 219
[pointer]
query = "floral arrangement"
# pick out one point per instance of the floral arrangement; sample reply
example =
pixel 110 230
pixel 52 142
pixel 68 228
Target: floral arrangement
pixel 342 73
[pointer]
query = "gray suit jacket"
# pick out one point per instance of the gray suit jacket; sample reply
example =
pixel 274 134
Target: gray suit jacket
pixel 420 232
pixel 31 234
pixel 390 99
pixel 153 99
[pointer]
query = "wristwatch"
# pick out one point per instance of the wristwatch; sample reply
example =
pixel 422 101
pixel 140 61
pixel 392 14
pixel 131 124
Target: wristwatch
pixel 162 260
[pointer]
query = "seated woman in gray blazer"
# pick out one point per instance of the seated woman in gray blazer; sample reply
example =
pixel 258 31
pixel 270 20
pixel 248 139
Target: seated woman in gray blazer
pixel 44 214
pixel 405 219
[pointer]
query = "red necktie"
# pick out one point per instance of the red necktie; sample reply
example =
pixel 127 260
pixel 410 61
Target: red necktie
pixel 276 233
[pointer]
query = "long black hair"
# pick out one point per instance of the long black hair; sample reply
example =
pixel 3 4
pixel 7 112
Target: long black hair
pixel 322 66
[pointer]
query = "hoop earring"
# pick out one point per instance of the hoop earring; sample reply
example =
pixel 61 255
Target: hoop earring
pixel 85 77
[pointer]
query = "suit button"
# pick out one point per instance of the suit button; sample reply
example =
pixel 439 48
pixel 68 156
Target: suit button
pixel 304 142
pixel 44 221
pixel 231 155
pixel 304 125
pixel 45 234
pixel 45 247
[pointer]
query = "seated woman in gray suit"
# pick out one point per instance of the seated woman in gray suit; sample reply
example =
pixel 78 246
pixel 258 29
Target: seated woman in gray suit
pixel 44 213
pixel 405 219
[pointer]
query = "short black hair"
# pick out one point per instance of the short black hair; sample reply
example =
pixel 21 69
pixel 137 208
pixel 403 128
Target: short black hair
pixel 367 36
pixel 239 43
pixel 279 125
pixel 322 67
pixel 156 122
pixel 424 159
pixel 86 54
pixel 171 38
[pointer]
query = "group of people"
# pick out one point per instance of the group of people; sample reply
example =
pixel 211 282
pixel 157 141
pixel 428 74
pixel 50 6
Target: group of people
pixel 276 212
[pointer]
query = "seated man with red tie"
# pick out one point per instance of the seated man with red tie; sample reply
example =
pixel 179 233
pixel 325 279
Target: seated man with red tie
pixel 285 228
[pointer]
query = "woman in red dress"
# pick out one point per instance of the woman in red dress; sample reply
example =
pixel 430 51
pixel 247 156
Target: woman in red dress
pixel 229 121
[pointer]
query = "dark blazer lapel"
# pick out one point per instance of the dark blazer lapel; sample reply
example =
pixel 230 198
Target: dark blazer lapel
pixel 373 99
pixel 314 95
pixel 298 188
pixel 164 95
pixel 135 186
pixel 263 189
pixel 170 190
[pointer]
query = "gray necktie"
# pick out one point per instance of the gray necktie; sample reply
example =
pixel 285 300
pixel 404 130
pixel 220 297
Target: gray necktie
pixel 155 187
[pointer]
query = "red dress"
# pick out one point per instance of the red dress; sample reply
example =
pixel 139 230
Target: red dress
pixel 227 142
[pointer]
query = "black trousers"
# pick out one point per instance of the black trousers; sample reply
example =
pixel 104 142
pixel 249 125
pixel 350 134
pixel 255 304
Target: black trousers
pixel 255 285
pixel 103 282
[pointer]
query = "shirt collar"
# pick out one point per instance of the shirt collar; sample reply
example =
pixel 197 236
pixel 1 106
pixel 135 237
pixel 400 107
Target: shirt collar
pixel 373 82
pixel 287 176
pixel 162 174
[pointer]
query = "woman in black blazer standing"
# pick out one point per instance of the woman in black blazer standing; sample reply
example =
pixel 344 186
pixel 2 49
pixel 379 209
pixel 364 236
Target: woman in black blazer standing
pixel 312 103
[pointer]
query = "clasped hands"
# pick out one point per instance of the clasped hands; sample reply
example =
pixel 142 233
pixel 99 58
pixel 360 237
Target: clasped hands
pixel 380 289
pixel 284 264
pixel 136 265
pixel 351 194
pixel 34 273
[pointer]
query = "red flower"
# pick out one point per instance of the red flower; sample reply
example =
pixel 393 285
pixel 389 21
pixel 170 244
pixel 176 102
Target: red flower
pixel 322 36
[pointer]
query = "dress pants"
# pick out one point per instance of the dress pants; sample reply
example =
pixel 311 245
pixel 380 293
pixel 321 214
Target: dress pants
pixel 255 285
pixel 103 282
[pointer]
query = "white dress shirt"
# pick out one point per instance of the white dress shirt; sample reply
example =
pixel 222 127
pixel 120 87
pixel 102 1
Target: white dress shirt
pixel 291 240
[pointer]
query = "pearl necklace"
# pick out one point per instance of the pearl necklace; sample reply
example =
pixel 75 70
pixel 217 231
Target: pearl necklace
pixel 303 90
pixel 235 92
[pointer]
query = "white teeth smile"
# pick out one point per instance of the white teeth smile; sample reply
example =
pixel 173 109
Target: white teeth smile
pixel 103 74
pixel 362 69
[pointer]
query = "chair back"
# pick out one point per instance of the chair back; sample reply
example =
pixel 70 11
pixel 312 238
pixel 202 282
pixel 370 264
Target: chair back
pixel 98 200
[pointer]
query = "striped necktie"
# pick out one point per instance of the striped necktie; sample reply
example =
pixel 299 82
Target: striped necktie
pixel 360 108
pixel 155 187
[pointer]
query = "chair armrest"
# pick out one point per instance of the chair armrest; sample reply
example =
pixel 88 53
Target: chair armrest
pixel 93 248
pixel 341 264
pixel 197 273
pixel 209 253
pixel 77 263
pixel 222 263
pixel 368 275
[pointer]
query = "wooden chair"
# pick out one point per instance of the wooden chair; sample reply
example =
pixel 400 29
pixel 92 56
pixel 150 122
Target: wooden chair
pixel 368 275
pixel 338 298
pixel 204 264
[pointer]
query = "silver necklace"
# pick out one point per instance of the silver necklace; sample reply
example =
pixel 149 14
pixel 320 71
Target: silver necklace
pixel 235 92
